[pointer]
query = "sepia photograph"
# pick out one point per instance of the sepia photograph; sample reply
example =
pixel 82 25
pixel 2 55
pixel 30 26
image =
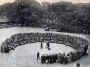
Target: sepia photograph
pixel 44 33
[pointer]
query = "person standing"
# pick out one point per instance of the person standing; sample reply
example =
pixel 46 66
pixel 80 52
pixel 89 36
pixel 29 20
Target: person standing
pixel 38 57
pixel 41 45
pixel 78 65
pixel 48 45
pixel 85 50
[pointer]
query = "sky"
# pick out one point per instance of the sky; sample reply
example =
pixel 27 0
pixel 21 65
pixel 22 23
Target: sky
pixel 6 1
pixel 73 1
pixel 50 1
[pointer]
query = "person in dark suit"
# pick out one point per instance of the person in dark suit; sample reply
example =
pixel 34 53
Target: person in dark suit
pixel 78 65
pixel 41 45
pixel 38 57
pixel 48 45
pixel 85 50
pixel 43 59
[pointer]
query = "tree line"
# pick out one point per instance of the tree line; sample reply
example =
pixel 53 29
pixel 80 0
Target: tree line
pixel 62 16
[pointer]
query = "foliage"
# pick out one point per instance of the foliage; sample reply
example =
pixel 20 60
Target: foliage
pixel 63 16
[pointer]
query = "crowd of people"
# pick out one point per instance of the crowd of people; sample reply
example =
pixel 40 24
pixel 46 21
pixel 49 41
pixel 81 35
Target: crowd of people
pixel 58 57
pixel 80 44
